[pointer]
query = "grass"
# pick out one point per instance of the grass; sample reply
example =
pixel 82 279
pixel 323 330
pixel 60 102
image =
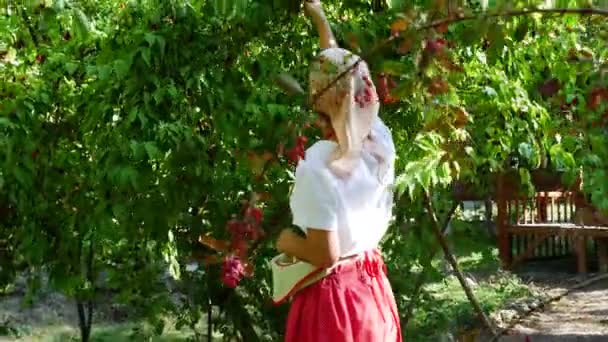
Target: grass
pixel 444 307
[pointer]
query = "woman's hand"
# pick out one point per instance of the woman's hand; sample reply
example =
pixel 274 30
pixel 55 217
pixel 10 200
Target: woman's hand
pixel 313 8
pixel 286 240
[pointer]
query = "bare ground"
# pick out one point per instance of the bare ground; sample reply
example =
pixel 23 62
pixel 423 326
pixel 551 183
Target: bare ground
pixel 53 318
pixel 581 315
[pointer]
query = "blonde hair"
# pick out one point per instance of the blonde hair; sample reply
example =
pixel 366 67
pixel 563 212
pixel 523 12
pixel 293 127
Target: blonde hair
pixel 341 87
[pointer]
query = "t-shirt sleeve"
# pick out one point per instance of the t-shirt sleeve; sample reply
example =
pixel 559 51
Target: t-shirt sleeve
pixel 313 199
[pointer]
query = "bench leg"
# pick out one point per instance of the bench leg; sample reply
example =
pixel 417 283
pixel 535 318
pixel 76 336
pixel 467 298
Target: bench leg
pixel 602 254
pixel 580 245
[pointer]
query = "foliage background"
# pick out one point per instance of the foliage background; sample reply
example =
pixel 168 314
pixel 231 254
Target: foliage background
pixel 130 128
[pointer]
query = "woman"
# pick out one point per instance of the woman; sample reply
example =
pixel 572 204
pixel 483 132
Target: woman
pixel 342 201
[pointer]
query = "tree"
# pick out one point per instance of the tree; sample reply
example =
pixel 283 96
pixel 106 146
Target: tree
pixel 128 130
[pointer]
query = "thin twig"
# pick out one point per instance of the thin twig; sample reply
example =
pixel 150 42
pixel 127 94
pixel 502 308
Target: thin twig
pixel 508 14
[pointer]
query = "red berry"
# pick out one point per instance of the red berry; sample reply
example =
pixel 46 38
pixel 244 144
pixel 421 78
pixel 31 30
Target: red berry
pixel 389 99
pixel 233 227
pixel 241 247
pixel 596 98
pixel 255 213
pixel 438 86
pixel 384 90
pixel 302 140
pixel 550 87
pixel 435 45
pixel 443 28
pixel 296 154
pixel 232 271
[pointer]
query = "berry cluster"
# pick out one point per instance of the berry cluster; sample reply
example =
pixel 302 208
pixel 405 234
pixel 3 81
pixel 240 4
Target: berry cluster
pixel 298 152
pixel 437 45
pixel 232 271
pixel 597 97
pixel 242 232
pixel 365 96
pixel 385 85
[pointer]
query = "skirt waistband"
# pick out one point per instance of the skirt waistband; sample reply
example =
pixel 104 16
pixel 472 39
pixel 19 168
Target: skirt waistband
pixel 370 260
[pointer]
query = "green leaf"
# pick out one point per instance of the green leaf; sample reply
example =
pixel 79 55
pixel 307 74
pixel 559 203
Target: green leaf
pixel 71 67
pixel 59 5
pixel 122 66
pixel 133 114
pixel 395 68
pixel 145 54
pixel 21 176
pixel 562 159
pixel 83 24
pixel 161 45
pixel 525 150
pixel 474 32
pixel 150 38
pixel 5 122
pixel 151 150
pixel 496 38
pixel 289 84
pixel 522 30
pixel 489 91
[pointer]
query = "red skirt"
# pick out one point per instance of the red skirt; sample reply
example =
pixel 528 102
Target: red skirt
pixel 355 303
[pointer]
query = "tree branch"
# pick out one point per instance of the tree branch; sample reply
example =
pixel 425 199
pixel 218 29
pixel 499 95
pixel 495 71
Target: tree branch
pixel 517 13
pixel 452 260
pixel 453 20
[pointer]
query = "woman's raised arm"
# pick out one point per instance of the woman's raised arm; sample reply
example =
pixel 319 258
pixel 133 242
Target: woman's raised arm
pixel 315 10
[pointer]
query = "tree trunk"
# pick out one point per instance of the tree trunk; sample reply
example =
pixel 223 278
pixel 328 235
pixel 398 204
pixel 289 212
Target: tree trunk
pixel 85 307
pixel 85 315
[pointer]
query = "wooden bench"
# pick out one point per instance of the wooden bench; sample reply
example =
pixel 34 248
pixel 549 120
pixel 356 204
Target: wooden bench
pixel 577 235
pixel 554 222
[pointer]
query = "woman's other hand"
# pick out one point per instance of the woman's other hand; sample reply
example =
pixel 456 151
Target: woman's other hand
pixel 320 247
pixel 285 240
pixel 313 8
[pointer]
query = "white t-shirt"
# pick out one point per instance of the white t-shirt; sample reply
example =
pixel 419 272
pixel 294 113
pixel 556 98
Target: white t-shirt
pixel 358 208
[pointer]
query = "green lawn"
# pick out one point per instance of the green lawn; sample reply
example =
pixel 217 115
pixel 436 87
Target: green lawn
pixel 443 306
